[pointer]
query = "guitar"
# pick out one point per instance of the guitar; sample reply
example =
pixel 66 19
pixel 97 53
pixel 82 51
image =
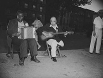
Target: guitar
pixel 46 35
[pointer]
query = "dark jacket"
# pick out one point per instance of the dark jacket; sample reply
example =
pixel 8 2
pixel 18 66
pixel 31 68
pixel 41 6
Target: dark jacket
pixel 13 27
pixel 51 29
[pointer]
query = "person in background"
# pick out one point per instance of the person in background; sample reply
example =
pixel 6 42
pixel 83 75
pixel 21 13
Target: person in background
pixel 97 32
pixel 14 33
pixel 37 24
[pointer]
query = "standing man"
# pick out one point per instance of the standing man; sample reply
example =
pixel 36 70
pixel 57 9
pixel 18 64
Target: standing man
pixel 97 33
pixel 55 40
pixel 14 33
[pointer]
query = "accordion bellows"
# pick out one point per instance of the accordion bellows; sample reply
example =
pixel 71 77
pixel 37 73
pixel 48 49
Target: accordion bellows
pixel 27 32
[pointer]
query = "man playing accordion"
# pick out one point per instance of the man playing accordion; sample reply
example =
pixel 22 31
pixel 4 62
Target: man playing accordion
pixel 14 33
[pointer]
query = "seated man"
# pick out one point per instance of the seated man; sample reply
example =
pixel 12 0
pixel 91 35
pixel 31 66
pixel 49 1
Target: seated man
pixel 14 33
pixel 55 40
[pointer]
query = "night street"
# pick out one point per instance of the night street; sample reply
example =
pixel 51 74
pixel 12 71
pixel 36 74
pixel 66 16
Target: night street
pixel 71 26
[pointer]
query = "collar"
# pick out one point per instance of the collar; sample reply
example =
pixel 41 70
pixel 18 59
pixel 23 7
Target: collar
pixel 53 26
pixel 20 21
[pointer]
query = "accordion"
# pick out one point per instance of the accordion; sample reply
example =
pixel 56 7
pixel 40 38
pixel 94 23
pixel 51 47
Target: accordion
pixel 27 32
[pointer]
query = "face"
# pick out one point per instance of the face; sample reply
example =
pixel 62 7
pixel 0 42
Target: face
pixel 20 16
pixel 53 21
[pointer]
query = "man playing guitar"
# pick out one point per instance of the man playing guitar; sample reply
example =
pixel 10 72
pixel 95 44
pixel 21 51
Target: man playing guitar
pixel 53 40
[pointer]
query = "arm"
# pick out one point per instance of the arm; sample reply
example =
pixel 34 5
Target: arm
pixel 60 30
pixel 94 27
pixel 13 28
pixel 10 28
pixel 94 33
pixel 36 38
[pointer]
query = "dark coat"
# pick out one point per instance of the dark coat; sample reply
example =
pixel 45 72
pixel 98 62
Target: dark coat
pixel 50 29
pixel 13 27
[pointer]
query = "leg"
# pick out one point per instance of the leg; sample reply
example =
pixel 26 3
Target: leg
pixel 53 50
pixel 9 40
pixel 58 51
pixel 32 44
pixel 22 44
pixel 23 49
pixel 61 43
pixel 48 49
pixel 93 39
pixel 53 43
pixel 99 39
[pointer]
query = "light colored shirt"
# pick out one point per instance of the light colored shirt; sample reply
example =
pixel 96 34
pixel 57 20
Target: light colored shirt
pixel 98 22
pixel 37 23
pixel 55 27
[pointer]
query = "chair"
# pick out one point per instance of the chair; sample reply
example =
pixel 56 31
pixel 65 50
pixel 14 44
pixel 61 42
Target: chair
pixel 49 48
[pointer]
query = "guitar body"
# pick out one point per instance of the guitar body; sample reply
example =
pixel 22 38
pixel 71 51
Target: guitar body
pixel 45 35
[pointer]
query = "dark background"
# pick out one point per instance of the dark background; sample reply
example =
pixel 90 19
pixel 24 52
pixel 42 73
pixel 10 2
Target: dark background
pixel 67 12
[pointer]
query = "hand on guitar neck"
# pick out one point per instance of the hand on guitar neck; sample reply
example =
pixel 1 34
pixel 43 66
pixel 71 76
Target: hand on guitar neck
pixel 46 34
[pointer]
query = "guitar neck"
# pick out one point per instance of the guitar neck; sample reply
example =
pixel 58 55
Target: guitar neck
pixel 59 33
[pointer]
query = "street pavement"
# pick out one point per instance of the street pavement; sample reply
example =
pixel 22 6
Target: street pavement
pixel 77 64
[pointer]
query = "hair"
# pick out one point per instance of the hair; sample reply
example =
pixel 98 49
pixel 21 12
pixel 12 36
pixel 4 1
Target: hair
pixel 37 17
pixel 19 12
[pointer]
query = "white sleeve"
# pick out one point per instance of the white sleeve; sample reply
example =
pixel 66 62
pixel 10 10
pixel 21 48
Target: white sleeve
pixel 95 20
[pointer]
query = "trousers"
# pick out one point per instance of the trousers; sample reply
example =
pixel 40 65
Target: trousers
pixel 96 39
pixel 24 45
pixel 21 44
pixel 53 43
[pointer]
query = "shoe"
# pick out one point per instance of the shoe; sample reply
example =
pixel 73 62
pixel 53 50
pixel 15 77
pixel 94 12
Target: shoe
pixel 54 59
pixel 90 52
pixel 21 61
pixel 35 59
pixel 98 53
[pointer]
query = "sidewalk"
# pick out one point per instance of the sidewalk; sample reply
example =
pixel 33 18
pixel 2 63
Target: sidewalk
pixel 78 64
